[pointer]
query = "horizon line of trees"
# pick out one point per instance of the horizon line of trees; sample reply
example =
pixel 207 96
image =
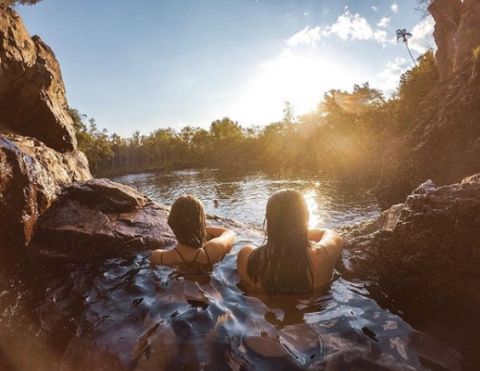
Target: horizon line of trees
pixel 346 136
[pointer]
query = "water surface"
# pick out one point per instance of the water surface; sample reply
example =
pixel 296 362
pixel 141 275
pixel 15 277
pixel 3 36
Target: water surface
pixel 124 314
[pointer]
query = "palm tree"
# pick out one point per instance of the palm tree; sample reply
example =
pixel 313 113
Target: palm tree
pixel 403 35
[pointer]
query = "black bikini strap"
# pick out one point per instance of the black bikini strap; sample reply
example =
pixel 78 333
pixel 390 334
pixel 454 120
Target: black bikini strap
pixel 196 255
pixel 181 256
pixel 208 257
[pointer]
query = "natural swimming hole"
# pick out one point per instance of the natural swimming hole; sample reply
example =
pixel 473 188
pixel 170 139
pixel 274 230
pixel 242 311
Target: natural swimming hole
pixel 124 314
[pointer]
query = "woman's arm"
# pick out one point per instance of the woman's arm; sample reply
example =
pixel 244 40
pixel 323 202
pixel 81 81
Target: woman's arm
pixel 222 243
pixel 213 232
pixel 328 240
pixel 156 257
pixel 315 234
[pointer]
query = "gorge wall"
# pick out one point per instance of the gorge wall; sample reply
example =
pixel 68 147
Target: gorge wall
pixel 443 142
pixel 38 149
pixel 48 200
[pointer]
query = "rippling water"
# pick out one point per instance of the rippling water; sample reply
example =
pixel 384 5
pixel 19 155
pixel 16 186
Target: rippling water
pixel 124 314
pixel 244 197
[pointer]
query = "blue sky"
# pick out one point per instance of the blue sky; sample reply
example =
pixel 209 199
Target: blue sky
pixel 146 64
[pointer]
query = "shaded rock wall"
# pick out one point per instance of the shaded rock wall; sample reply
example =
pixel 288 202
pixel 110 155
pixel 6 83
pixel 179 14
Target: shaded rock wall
pixel 426 249
pixel 443 143
pixel 31 177
pixel 32 93
pixel 457 32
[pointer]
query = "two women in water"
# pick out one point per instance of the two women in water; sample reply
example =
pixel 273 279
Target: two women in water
pixel 293 259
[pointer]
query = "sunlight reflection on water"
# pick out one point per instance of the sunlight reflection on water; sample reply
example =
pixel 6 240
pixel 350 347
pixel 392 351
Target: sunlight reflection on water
pixel 243 197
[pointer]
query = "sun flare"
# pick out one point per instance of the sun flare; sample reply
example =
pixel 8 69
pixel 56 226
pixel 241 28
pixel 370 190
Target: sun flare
pixel 300 78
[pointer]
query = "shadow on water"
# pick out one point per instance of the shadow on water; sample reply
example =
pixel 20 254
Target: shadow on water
pixel 124 314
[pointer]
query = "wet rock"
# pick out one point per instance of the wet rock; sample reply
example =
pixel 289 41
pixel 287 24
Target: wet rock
pixel 102 218
pixel 32 93
pixel 426 249
pixel 31 177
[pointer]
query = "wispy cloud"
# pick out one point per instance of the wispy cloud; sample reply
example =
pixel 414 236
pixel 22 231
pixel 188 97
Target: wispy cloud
pixel 374 8
pixel 422 32
pixel 395 8
pixel 307 36
pixel 351 26
pixel 389 77
pixel 384 22
pixel 348 26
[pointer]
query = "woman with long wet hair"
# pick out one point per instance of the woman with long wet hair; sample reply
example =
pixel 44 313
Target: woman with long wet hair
pixel 293 259
pixel 198 246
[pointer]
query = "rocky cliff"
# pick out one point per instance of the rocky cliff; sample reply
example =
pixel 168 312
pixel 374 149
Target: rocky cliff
pixel 38 154
pixel 32 93
pixel 443 142
pixel 47 197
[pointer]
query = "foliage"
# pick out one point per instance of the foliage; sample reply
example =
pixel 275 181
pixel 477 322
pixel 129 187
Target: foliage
pixel 415 85
pixel 345 136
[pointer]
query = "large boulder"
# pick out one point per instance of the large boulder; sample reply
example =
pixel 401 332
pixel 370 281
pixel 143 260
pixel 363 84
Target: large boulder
pixel 100 218
pixel 31 177
pixel 426 250
pixel 32 93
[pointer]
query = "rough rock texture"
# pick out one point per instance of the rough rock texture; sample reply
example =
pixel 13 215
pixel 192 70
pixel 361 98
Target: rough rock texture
pixel 443 143
pixel 457 32
pixel 426 249
pixel 102 218
pixel 447 15
pixel 32 93
pixel 31 177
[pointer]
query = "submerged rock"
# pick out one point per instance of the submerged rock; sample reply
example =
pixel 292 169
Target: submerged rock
pixel 32 93
pixel 31 177
pixel 426 249
pixel 102 218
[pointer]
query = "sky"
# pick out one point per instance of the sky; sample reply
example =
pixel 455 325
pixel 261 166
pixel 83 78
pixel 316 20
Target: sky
pixel 149 64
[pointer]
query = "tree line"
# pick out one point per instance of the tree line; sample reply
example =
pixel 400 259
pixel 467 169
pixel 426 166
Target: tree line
pixel 346 136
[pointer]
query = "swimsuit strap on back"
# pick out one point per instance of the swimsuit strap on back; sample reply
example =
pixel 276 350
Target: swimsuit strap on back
pixel 208 257
pixel 193 260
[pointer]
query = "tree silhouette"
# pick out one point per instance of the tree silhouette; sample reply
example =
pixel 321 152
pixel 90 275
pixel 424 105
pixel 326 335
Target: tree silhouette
pixel 403 35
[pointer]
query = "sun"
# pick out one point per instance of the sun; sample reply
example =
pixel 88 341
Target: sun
pixel 300 78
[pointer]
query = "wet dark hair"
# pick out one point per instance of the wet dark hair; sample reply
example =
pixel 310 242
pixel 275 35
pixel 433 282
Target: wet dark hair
pixel 187 221
pixel 283 263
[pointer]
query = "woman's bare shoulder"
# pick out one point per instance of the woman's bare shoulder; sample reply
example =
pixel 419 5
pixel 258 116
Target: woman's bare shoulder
pixel 162 257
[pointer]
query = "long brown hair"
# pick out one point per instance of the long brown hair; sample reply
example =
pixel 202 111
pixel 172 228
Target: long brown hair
pixel 283 263
pixel 187 221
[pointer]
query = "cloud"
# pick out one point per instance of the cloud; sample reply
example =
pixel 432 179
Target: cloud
pixel 389 78
pixel 374 8
pixel 348 26
pixel 422 32
pixel 307 36
pixel 395 7
pixel 351 26
pixel 383 23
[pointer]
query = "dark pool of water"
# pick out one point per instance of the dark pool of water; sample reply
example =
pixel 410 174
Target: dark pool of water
pixel 124 314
